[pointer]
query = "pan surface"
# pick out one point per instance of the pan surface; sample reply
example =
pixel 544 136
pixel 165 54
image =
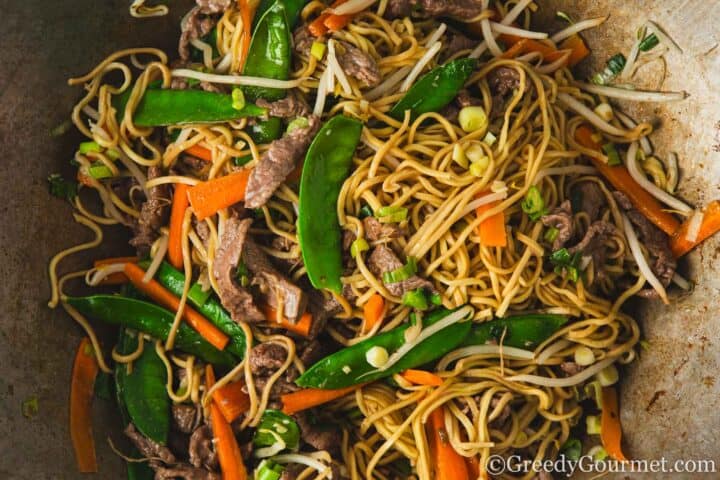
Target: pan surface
pixel 670 395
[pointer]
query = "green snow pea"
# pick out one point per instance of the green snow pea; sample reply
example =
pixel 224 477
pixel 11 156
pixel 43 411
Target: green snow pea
pixel 292 10
pixel 521 331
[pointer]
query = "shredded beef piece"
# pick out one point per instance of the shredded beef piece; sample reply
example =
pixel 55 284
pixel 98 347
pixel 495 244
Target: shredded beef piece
pixel 323 436
pixel 201 450
pixel 383 259
pixel 238 301
pixel 560 218
pixel 185 417
pixel 457 42
pixel 153 214
pixel 592 199
pixel 147 447
pixel 184 472
pixel 657 243
pixel 460 9
pixel 322 308
pixel 311 352
pixel 374 230
pixel 277 163
pixel 464 99
pixel 291 106
pixel 593 242
pixel 213 6
pixel 196 25
pixel 267 358
pixel 571 368
pixel 398 9
pixel 276 290
pixel 503 80
pixel 359 65
pixel 302 40
pixel 348 238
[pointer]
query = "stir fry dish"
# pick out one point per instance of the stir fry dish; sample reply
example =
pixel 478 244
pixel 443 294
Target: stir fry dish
pixel 368 240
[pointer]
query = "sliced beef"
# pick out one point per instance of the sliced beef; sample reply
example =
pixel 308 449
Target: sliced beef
pixel 154 214
pixel 465 99
pixel 276 290
pixel 237 300
pixel 147 447
pixel 213 6
pixel 201 449
pixel 593 242
pixel 503 81
pixel 657 243
pixel 323 309
pixel 302 40
pixel 185 417
pixel 265 360
pixel 456 42
pixel 560 218
pixel 277 163
pixel 195 25
pixel 592 199
pixel 375 231
pixel 359 65
pixel 571 368
pixel 460 9
pixel 383 259
pixel 399 8
pixel 292 106
pixel 311 352
pixel 321 436
pixel 184 472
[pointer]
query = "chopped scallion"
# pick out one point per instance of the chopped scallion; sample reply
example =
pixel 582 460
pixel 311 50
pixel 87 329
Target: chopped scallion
pixel 98 171
pixel 318 50
pixel 87 147
pixel 612 154
pixel 391 214
pixel 198 296
pixel 416 299
pixel 299 122
pixel 238 99
pixel 402 273
pixel 534 204
pixel 358 246
pixel 649 42
pixel 551 234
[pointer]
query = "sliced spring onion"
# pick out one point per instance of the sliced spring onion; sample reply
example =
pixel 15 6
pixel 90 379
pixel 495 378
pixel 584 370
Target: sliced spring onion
pixel 198 296
pixel 533 204
pixel 592 423
pixel 584 356
pixel 472 119
pixel 477 169
pixel 613 67
pixel 476 154
pixel 564 261
pixel 608 376
pixel 87 147
pixel 268 470
pixel 612 154
pixel 598 453
pixel 459 156
pixel 98 171
pixel 238 99
pixel 416 299
pixel 391 214
pixel 593 390
pixel 604 111
pixel 377 356
pixel 318 50
pixel 358 246
pixel 299 122
pixel 402 273
pixel 489 139
pixel 649 42
pixel 551 234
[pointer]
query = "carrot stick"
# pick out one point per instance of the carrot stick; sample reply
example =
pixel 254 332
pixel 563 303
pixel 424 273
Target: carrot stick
pixel 325 21
pixel 421 377
pixel 515 50
pixel 317 27
pixel 247 12
pixel 302 327
pixel 621 179
pixel 208 197
pixel 449 465
pixel 373 312
pixel 578 47
pixel 231 400
pixel 226 445
pixel 85 369
pixel 177 216
pixel 166 299
pixel 492 229
pixel 118 278
pixel 312 397
pixel 710 226
pixel 200 152
pixel 610 428
pixel 337 22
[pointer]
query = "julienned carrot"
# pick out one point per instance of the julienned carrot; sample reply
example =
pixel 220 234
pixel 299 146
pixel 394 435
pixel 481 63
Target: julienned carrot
pixel 200 152
pixel 579 49
pixel 520 45
pixel 85 369
pixel 166 299
pixel 317 27
pixel 621 179
pixel 302 327
pixel 492 229
pixel 231 400
pixel 337 22
pixel 208 197
pixel 327 21
pixel 117 278
pixel 373 312
pixel 312 397
pixel 449 465
pixel 710 226
pixel 610 428
pixel 247 12
pixel 422 377
pixel 177 215
pixel 226 445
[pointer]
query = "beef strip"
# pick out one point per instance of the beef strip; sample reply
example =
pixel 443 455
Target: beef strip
pixel 560 218
pixel 213 6
pixel 277 291
pixel 593 243
pixel 238 301
pixel 359 65
pixel 321 436
pixel 147 447
pixel 657 243
pixel 277 163
pixel 195 25
pixel 592 199
pixel 153 214
pixel 460 9
pixel 302 40
pixel 265 359
pixel 456 42
pixel 185 417
pixel 383 259
pixel 184 472
pixel 375 231
pixel 398 8
pixel 311 352
pixel 571 368
pixel 323 309
pixel 201 448
pixel 502 81
pixel 292 106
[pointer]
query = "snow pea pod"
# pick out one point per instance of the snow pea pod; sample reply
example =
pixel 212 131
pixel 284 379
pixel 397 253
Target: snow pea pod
pixel 349 366
pixel 521 331
pixel 211 308
pixel 142 393
pixel 326 167
pixel 151 319
pixel 292 10
pixel 270 51
pixel 435 89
